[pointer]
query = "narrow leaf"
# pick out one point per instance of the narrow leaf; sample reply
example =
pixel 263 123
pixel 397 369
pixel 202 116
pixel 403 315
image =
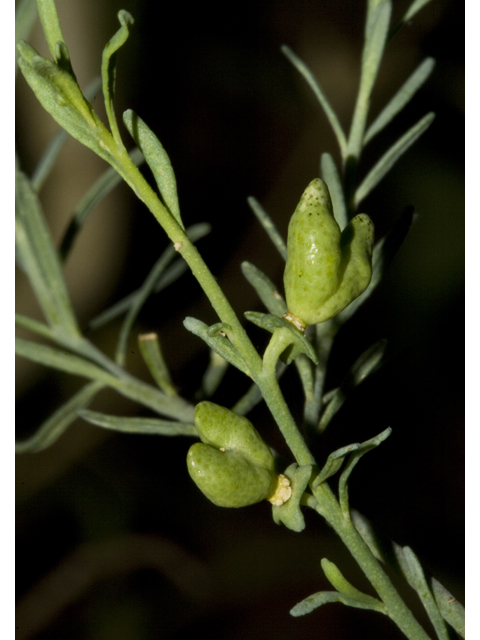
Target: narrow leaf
pixel 47 12
pixel 376 28
pixel 62 360
pixel 401 98
pixel 323 597
pixel 97 192
pixel 317 90
pixel 152 355
pixel 368 534
pixel 171 274
pixel 337 580
pixel 333 463
pixel 368 445
pixel 33 325
pixel 413 9
pixel 452 611
pixel 413 572
pixel 269 226
pixel 270 322
pixel 266 290
pixel 128 386
pixel 213 376
pixel 368 362
pixel 157 159
pixel 383 254
pixel 387 161
pixel 151 426
pixel 40 260
pixel 330 175
pixel 217 342
pixel 108 70
pixel 250 399
pixel 141 296
pixel 51 430
pixel 25 14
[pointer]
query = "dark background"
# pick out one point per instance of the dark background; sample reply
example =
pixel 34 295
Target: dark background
pixel 99 515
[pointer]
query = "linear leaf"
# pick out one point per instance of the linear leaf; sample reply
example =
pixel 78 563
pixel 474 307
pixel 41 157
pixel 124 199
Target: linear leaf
pixel 47 12
pixel 108 70
pixel 413 9
pixel 141 296
pixel 368 534
pixel 401 98
pixel 333 463
pixel 62 360
pixel 270 322
pixel 387 161
pixel 266 290
pixel 217 342
pixel 51 430
pixel 376 28
pixel 126 385
pixel 213 376
pixel 330 175
pixel 413 572
pixel 34 325
pixel 368 445
pixel 452 611
pixel 323 597
pixel 152 355
pixel 269 226
pixel 25 14
pixel 151 426
pixel 337 580
pixel 171 274
pixel 317 90
pixel 40 260
pixel 368 362
pixel 157 159
pixel 97 192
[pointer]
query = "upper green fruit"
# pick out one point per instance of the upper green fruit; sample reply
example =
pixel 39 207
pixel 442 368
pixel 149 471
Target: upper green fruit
pixel 326 269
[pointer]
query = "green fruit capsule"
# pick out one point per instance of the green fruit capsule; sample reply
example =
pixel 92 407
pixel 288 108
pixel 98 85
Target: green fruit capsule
pixel 232 465
pixel 326 269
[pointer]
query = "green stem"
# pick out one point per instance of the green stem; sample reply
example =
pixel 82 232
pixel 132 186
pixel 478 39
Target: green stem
pixel 328 507
pixel 273 396
pixel 192 257
pixel 266 380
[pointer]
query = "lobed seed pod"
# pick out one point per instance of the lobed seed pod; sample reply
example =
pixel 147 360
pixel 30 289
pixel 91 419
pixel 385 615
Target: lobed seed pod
pixel 326 269
pixel 232 465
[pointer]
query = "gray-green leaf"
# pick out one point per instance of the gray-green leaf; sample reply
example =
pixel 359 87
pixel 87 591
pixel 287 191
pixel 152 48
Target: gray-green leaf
pixel 266 290
pixel 151 426
pixel 39 258
pixel 157 159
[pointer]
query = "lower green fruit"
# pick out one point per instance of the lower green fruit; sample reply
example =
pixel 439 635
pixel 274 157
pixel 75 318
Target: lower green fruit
pixel 232 465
